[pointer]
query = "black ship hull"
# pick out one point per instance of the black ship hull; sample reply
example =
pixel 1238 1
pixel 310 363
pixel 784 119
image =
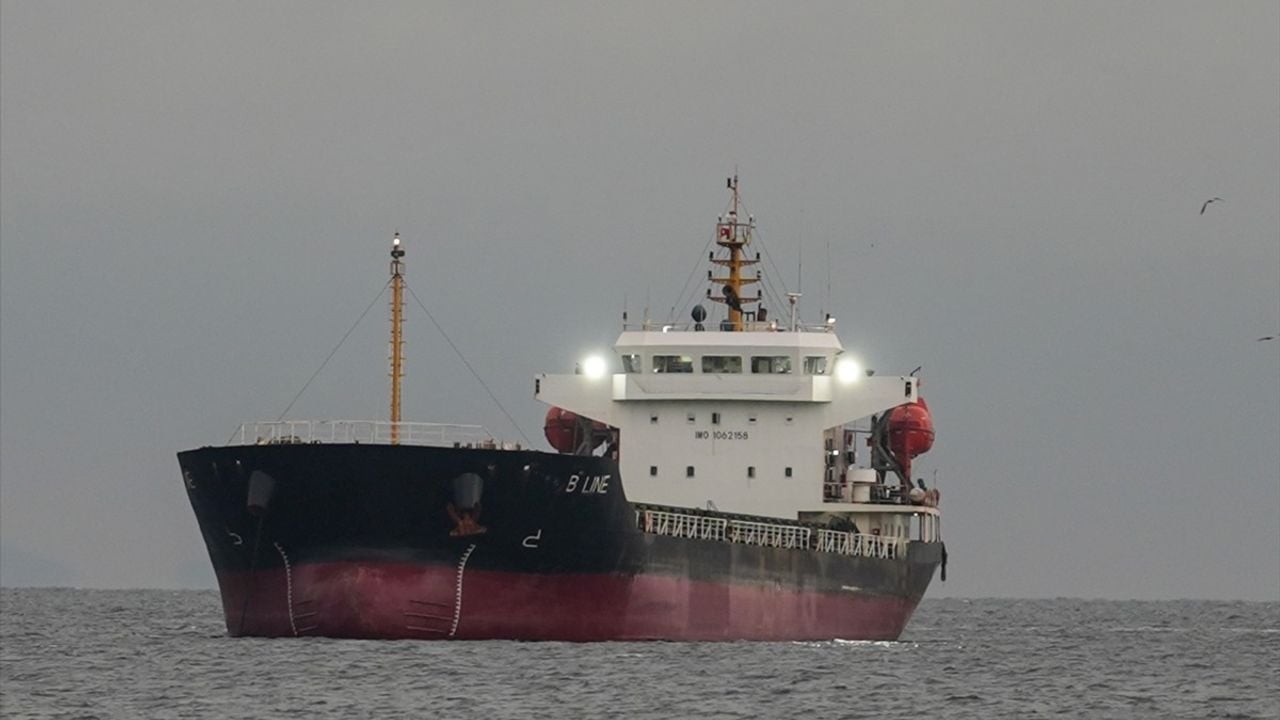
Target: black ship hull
pixel 387 541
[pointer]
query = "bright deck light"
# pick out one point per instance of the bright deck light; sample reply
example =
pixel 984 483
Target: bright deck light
pixel 847 370
pixel 594 367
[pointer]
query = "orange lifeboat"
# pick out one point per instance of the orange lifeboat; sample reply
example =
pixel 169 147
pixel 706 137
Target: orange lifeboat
pixel 565 430
pixel 910 432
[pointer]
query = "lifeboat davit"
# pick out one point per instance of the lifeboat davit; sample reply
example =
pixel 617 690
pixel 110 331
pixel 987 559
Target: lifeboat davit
pixel 566 430
pixel 910 432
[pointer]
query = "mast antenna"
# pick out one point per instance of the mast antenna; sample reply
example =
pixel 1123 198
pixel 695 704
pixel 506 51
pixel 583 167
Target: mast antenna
pixel 828 299
pixel 734 235
pixel 397 335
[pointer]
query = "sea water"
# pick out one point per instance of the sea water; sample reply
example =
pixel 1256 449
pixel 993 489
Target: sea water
pixel 165 654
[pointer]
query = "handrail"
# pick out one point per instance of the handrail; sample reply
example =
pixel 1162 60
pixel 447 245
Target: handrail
pixel 860 545
pixel 881 494
pixel 376 432
pixel 681 525
pixel 768 534
pixel 746 532
pixel 757 326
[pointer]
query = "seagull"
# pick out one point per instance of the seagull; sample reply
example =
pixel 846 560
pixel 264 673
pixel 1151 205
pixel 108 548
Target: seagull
pixel 1206 203
pixel 1265 338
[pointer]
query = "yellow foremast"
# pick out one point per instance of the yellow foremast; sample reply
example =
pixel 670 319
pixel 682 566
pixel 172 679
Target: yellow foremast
pixel 735 236
pixel 397 337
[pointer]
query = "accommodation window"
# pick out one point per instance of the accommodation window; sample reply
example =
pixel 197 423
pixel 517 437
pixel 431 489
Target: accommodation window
pixel 631 364
pixel 653 419
pixel 788 471
pixel 790 419
pixel 672 364
pixel 751 419
pixel 688 471
pixel 751 471
pixel 770 364
pixel 815 365
pixel 653 471
pixel 721 363
pixel 691 418
pixel 715 418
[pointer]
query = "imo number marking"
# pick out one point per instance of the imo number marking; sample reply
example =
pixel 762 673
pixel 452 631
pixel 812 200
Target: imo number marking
pixel 721 435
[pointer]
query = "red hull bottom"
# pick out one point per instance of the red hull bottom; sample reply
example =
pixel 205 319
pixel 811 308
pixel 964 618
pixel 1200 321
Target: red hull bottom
pixel 398 601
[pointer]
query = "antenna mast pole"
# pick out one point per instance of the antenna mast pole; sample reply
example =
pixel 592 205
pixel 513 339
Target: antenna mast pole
pixel 397 335
pixel 735 236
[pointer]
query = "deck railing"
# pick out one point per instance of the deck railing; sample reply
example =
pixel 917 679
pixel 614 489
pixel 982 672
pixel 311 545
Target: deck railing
pixel 880 494
pixel 376 432
pixel 747 532
pixel 873 546
pixel 686 526
pixel 768 534
pixel 755 326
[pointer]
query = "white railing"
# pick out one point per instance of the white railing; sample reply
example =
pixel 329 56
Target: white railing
pixel 768 534
pixel 872 546
pixel 747 532
pixel 374 432
pixel 834 541
pixel 697 527
pixel 879 493
pixel 779 325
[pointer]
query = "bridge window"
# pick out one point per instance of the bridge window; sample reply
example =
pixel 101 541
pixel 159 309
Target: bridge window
pixel 672 364
pixel 631 364
pixel 721 363
pixel 815 365
pixel 771 364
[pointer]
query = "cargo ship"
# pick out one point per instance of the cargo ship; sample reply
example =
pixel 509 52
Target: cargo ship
pixel 740 477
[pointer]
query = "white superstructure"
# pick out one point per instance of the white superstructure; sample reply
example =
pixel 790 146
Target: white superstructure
pixel 750 416
pixel 739 426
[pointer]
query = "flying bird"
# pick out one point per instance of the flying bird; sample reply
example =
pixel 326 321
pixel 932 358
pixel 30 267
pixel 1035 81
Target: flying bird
pixel 1206 203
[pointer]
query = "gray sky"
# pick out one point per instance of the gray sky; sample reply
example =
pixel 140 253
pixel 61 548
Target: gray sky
pixel 196 198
